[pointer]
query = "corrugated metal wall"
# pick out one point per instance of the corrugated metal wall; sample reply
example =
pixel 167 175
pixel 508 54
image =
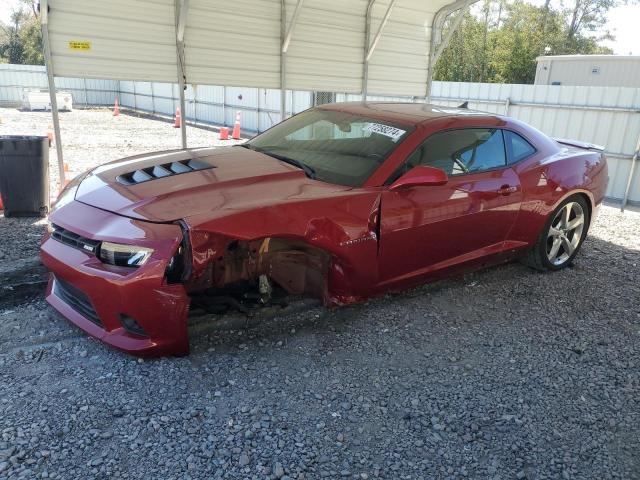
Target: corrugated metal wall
pixel 404 45
pixel 15 78
pixel 240 49
pixel 124 38
pixel 239 43
pixel 608 116
pixel 259 107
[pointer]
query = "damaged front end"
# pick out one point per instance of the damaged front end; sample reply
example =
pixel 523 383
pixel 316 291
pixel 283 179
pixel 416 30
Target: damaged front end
pixel 216 265
pixel 237 274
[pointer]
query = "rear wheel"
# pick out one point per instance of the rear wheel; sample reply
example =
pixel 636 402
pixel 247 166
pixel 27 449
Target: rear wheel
pixel 562 236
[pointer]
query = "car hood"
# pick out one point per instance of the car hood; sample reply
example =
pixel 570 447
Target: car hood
pixel 167 186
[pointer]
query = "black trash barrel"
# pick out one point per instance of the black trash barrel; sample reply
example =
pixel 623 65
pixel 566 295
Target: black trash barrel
pixel 24 175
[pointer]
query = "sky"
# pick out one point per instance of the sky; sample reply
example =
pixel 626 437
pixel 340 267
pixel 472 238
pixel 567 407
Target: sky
pixel 622 22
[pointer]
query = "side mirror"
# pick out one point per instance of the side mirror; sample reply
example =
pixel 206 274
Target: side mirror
pixel 421 176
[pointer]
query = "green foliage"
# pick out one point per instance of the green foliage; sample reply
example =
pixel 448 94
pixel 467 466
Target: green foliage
pixel 21 39
pixel 500 44
pixel 30 37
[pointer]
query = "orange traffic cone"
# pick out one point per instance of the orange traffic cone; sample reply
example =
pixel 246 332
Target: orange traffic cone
pixel 224 133
pixel 66 167
pixel 236 127
pixel 116 108
pixel 178 118
pixel 50 135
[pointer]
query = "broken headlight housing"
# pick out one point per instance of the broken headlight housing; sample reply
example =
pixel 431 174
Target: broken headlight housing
pixel 124 255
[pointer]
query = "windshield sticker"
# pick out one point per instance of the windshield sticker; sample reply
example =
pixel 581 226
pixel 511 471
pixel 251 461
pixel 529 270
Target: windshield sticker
pixel 388 131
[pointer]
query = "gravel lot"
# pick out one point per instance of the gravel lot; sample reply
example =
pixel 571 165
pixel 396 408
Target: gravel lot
pixel 95 136
pixel 501 374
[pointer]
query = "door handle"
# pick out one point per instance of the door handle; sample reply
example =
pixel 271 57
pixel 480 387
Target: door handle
pixel 507 190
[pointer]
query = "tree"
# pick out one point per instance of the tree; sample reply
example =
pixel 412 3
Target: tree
pixel 30 37
pixel 505 50
pixel 589 14
pixel 21 39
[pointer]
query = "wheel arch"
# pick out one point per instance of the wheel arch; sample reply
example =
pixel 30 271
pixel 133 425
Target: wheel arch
pixel 585 194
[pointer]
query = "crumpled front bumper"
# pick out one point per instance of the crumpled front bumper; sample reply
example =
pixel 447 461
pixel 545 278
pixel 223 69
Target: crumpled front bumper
pixel 98 297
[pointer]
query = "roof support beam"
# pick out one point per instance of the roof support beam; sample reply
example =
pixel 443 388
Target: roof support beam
pixel 437 45
pixel 182 8
pixel 44 20
pixel 367 41
pixel 285 38
pixel 182 19
pixel 376 38
pixel 454 26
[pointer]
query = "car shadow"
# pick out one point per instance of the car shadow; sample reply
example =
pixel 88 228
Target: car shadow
pixel 605 266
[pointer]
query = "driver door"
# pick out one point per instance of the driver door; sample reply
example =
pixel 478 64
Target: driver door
pixel 429 228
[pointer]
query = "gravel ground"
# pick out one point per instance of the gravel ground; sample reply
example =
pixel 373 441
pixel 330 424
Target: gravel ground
pixel 505 373
pixel 95 136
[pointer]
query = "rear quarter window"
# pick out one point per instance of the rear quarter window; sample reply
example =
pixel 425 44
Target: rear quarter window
pixel 518 147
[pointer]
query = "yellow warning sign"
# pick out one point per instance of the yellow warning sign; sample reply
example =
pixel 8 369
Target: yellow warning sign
pixel 78 45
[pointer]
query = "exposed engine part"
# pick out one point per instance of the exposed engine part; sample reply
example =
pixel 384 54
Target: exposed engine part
pixel 265 288
pixel 244 297
pixel 293 265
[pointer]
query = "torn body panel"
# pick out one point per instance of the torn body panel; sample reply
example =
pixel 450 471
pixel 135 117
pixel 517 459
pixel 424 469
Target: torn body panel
pixel 333 259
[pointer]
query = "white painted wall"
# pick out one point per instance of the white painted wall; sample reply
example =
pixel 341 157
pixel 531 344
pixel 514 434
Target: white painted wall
pixel 589 70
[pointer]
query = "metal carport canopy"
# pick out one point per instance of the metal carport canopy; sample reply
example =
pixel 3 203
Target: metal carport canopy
pixel 383 47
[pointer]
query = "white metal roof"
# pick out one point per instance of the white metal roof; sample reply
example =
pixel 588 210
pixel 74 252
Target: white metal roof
pixel 240 42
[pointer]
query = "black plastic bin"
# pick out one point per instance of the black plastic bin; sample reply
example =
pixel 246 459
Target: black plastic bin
pixel 24 175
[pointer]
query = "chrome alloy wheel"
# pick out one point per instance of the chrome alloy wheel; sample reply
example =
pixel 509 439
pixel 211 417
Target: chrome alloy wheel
pixel 565 233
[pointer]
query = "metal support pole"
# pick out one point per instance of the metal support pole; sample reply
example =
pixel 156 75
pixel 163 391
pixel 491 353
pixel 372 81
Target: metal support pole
pixel 634 160
pixel 44 19
pixel 183 117
pixel 224 105
pixel 181 21
pixel 507 104
pixel 153 100
pixel 367 41
pixel 135 97
pixel 195 104
pixel 283 60
pixel 371 48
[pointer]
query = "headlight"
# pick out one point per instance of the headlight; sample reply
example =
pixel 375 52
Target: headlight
pixel 124 255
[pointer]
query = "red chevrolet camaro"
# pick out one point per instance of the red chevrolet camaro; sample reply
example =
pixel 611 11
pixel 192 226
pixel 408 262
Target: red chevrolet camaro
pixel 341 202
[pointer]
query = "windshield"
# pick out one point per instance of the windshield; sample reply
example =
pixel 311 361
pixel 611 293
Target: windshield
pixel 331 146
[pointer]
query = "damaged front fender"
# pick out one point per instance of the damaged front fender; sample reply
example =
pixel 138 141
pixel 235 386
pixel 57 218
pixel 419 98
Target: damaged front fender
pixel 331 258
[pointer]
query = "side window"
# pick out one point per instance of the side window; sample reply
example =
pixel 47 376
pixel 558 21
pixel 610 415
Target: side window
pixel 518 147
pixel 458 152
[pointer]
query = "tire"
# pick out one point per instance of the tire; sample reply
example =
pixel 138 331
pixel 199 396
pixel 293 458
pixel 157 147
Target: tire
pixel 562 236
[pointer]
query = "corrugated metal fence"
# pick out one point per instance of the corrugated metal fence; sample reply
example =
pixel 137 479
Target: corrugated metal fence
pixel 607 116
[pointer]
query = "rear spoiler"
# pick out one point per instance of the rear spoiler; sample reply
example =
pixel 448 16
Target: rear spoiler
pixel 579 144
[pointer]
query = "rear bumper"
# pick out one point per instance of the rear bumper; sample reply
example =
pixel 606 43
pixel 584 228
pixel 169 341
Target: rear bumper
pixel 96 297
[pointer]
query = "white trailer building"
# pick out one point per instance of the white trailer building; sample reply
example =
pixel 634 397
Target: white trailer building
pixel 589 70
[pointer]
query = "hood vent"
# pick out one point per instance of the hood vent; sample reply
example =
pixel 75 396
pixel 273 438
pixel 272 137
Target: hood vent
pixel 164 170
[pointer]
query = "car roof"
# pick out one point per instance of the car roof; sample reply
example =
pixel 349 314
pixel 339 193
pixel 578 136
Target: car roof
pixel 405 112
